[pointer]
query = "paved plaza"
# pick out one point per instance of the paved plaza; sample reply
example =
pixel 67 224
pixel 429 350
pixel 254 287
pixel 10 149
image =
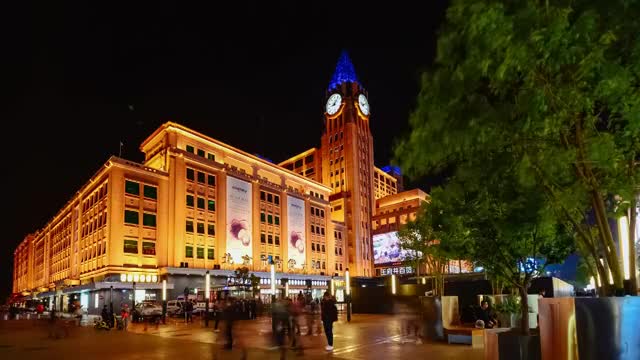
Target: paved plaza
pixel 365 337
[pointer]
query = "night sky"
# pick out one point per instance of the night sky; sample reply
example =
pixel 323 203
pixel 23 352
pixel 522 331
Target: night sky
pixel 81 78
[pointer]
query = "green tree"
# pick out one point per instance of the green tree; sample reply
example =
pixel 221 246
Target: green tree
pixel 418 238
pixel 487 216
pixel 556 85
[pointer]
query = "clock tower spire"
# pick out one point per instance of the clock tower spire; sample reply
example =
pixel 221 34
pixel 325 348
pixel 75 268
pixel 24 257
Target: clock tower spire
pixel 347 162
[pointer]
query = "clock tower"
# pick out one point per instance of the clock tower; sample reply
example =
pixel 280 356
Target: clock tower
pixel 347 163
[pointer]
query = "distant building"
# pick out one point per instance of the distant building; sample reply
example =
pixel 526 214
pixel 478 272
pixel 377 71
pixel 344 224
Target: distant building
pixel 395 172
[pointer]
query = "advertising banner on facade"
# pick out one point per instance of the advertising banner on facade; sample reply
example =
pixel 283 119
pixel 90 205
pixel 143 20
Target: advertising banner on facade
pixel 296 232
pixel 386 248
pixel 238 219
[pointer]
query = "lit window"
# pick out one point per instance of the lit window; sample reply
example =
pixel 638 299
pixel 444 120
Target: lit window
pixel 211 205
pixel 131 246
pixel 148 248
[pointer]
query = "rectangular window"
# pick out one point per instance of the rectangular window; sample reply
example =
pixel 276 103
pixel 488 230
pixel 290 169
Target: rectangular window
pixel 270 239
pixel 323 248
pixel 211 157
pixel 131 217
pixel 211 229
pixel 308 172
pixel 190 149
pixel 313 246
pixel 263 195
pixel 276 199
pixel 200 228
pixel 211 205
pixel 298 163
pixel 191 174
pixel 131 187
pixel 188 251
pixel 322 231
pixel 190 226
pixel 148 248
pixel 313 229
pixel 269 198
pixel 270 219
pixel 211 180
pixel 308 159
pixel 200 252
pixel 263 238
pixel 321 213
pixel 200 152
pixel 149 220
pixel 131 246
pixel 210 254
pixel 277 220
pixel 277 240
pixel 190 200
pixel 262 217
pixel 200 203
pixel 150 192
pixel 201 177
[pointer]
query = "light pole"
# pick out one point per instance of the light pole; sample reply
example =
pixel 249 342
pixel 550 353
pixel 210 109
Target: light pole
pixel 348 291
pixel 133 298
pixel 207 288
pixel 164 301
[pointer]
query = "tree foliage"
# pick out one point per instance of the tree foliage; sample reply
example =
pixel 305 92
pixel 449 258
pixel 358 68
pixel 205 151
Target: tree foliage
pixel 418 238
pixel 550 87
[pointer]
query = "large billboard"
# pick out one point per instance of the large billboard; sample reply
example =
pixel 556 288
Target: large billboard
pixel 296 231
pixel 238 219
pixel 386 248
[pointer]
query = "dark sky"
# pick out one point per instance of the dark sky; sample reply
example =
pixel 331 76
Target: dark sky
pixel 81 78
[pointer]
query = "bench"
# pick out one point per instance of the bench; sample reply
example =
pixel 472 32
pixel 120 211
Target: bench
pixel 465 334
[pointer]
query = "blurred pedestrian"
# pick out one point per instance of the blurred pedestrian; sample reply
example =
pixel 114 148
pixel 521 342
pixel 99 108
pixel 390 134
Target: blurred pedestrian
pixel 329 314
pixel 124 313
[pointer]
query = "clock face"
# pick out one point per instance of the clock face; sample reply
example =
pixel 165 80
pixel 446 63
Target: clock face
pixel 364 104
pixel 333 104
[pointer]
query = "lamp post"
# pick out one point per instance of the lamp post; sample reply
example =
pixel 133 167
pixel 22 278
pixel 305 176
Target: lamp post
pixel 393 284
pixel 164 301
pixel 207 288
pixel 348 291
pixel 133 298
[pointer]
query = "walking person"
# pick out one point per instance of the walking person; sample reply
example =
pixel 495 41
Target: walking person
pixel 189 310
pixel 124 313
pixel 329 314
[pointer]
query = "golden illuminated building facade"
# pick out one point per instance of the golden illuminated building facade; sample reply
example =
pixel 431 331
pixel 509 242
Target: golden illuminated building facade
pixel 196 204
pixel 383 184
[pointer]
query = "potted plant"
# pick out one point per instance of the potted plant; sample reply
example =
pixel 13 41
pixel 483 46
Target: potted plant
pixel 509 311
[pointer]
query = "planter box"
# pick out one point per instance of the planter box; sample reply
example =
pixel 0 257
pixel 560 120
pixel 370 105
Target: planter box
pixel 439 312
pixel 590 328
pixel 506 344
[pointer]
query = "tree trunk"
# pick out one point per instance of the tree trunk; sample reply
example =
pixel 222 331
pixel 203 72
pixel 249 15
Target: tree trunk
pixel 608 245
pixel 524 309
pixel 632 247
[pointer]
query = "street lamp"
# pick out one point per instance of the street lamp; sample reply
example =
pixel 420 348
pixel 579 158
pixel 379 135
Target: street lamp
pixel 273 282
pixel 348 291
pixel 207 288
pixel 393 284
pixel 164 301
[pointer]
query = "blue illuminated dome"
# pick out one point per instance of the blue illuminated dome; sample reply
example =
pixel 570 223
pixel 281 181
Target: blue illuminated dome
pixel 344 72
